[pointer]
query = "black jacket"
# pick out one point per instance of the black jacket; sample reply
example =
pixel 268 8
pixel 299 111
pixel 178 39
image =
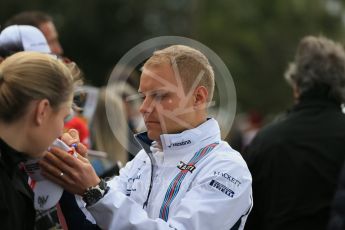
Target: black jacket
pixel 16 198
pixel 295 164
pixel 337 221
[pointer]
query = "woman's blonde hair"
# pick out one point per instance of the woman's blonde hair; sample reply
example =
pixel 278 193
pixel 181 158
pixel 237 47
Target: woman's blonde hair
pixel 110 137
pixel 27 76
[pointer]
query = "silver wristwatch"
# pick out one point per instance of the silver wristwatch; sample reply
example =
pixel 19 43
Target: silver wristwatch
pixel 95 193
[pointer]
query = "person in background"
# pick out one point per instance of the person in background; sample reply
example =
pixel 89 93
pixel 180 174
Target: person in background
pixel 251 127
pixel 295 162
pixel 15 38
pixel 43 22
pixel 125 81
pixel 110 138
pixel 36 92
pixel 134 119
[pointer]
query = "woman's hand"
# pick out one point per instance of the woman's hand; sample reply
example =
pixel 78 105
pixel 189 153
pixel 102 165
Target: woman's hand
pixel 74 174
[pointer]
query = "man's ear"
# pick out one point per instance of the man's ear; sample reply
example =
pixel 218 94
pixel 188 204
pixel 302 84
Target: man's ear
pixel 295 91
pixel 42 111
pixel 200 97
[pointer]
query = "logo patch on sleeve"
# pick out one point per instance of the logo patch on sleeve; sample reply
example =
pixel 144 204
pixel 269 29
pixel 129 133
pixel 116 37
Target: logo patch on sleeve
pixel 222 188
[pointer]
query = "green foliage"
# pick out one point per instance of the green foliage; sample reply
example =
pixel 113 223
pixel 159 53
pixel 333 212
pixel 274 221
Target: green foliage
pixel 255 38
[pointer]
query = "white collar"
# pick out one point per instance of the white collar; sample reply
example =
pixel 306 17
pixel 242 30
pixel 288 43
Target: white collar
pixel 185 144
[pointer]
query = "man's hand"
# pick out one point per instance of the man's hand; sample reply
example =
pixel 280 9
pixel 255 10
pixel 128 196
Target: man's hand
pixel 73 174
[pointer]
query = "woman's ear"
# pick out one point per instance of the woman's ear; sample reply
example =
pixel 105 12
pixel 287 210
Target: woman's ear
pixel 42 111
pixel 200 97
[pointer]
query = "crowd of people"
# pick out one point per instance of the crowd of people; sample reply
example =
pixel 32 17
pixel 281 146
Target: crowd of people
pixel 289 174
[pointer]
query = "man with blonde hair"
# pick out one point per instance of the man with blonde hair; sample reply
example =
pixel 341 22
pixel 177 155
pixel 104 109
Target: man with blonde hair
pixel 192 66
pixel 185 177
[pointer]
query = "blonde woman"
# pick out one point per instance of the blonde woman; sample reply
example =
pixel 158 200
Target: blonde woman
pixel 110 135
pixel 36 92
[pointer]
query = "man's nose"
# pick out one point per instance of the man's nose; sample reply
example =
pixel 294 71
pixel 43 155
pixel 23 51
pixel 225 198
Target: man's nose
pixel 146 106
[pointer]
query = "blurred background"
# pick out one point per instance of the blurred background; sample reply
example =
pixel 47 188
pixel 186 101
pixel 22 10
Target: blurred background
pixel 256 39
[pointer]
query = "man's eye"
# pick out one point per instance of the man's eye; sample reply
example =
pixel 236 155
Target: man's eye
pixel 159 96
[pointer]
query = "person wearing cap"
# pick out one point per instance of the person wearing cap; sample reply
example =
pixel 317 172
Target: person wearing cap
pixel 185 177
pixel 36 92
pixel 16 38
pixel 43 22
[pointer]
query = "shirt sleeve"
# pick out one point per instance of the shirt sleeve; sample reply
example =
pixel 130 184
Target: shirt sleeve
pixel 73 208
pixel 219 199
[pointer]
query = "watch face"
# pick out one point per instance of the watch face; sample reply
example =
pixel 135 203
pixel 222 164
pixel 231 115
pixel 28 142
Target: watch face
pixel 92 196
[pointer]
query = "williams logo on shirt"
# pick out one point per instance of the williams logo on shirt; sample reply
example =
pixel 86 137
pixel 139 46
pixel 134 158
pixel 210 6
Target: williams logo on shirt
pixel 184 167
pixel 187 142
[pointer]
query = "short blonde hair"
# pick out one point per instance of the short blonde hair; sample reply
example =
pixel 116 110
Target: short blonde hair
pixel 190 62
pixel 27 76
